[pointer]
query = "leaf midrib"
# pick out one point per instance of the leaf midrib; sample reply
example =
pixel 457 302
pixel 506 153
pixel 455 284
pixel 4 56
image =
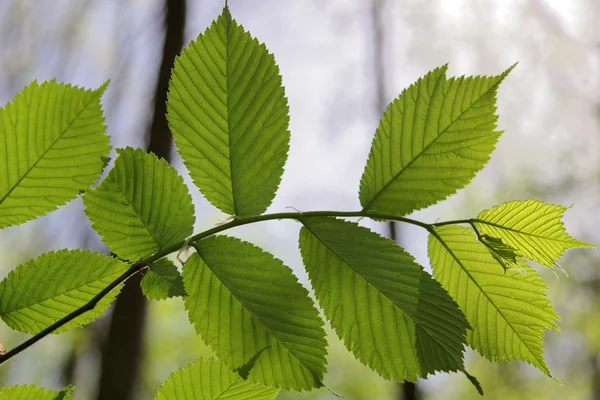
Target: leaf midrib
pixel 224 391
pixel 424 150
pixel 495 225
pixel 138 213
pixel 228 21
pixel 61 293
pixel 47 150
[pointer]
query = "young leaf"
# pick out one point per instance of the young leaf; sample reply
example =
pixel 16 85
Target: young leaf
pixel 243 300
pixel 430 142
pixel 210 380
pixel 534 228
pixel 141 207
pixel 229 116
pixel 52 144
pixel 42 291
pixel 388 311
pixel 508 309
pixel 31 392
pixel 244 370
pixel 162 280
pixel 505 255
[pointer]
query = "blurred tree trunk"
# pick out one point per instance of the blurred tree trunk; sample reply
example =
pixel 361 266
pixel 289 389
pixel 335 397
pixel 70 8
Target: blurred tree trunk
pixel 407 390
pixel 67 376
pixel 123 350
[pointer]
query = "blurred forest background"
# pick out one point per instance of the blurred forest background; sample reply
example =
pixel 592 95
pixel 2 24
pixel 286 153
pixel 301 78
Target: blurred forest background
pixel 342 61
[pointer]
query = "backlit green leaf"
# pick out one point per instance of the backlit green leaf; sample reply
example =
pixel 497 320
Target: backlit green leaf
pixel 141 207
pixel 243 300
pixel 52 145
pixel 211 380
pixel 388 311
pixel 534 228
pixel 162 280
pixel 43 290
pixel 430 142
pixel 505 255
pixel 31 392
pixel 229 116
pixel 508 309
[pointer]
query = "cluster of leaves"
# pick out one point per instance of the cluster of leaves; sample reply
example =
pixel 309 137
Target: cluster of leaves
pixel 229 115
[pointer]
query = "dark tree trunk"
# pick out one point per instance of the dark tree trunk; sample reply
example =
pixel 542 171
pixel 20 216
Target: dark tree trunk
pixel 123 350
pixel 160 140
pixel 407 390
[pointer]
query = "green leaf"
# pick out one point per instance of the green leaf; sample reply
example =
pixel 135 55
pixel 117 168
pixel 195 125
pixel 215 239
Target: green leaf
pixel 243 300
pixel 42 291
pixel 141 207
pixel 473 380
pixel 534 228
pixel 430 142
pixel 508 309
pixel 31 392
pixel 65 393
pixel 503 253
pixel 52 142
pixel 244 370
pixel 210 380
pixel 162 280
pixel 388 311
pixel 229 116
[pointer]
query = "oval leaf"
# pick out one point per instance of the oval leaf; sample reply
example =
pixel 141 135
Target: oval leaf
pixel 141 207
pixel 242 301
pixel 229 116
pixel 211 380
pixel 508 309
pixel 42 291
pixel 52 146
pixel 388 311
pixel 162 280
pixel 430 142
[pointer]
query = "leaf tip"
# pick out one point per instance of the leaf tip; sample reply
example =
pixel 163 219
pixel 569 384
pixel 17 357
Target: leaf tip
pixel 556 380
pixel 332 391
pixel 105 161
pixel 474 381
pixel 508 71
pixel 103 87
pixel 226 13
